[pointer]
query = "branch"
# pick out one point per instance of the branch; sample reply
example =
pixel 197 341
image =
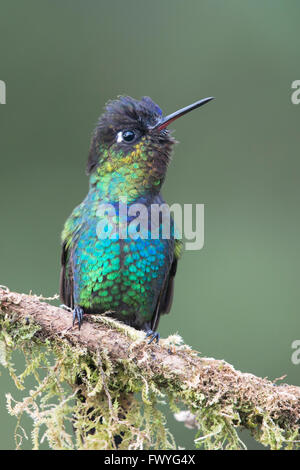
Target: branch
pixel 270 411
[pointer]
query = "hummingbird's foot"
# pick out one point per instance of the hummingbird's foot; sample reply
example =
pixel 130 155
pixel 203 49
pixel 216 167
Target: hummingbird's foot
pixel 78 313
pixel 153 335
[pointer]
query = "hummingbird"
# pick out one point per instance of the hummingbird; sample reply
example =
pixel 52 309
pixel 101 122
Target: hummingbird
pixel 132 278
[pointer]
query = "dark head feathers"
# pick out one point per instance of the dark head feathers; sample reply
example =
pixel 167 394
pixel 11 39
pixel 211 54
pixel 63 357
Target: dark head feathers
pixel 123 113
pixel 126 112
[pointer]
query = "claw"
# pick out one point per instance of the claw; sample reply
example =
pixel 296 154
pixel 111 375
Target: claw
pixel 154 335
pixel 77 313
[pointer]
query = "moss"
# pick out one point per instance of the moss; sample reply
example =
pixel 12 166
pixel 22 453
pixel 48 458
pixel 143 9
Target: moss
pixel 81 400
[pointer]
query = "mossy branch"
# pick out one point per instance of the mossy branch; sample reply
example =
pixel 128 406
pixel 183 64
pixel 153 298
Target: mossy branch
pixel 113 362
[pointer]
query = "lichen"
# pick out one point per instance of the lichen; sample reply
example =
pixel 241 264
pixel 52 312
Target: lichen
pixel 82 400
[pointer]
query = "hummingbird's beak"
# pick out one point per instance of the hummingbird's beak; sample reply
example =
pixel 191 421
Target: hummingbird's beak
pixel 181 112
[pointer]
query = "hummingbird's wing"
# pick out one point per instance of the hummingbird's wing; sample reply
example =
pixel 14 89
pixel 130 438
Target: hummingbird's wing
pixel 66 278
pixel 169 289
pixel 165 299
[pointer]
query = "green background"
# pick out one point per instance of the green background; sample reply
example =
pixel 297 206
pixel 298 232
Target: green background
pixel 238 298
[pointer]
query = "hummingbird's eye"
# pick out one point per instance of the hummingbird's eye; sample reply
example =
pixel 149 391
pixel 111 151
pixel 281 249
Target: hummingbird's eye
pixel 126 136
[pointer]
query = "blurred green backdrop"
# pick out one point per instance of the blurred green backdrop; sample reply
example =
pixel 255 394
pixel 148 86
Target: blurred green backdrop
pixel 238 298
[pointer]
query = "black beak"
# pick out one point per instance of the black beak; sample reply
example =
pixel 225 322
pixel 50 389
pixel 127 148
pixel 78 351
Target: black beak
pixel 181 112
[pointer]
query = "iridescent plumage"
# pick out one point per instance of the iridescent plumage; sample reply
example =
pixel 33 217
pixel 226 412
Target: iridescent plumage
pixel 131 278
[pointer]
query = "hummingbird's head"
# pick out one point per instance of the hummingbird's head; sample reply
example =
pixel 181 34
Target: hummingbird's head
pixel 131 138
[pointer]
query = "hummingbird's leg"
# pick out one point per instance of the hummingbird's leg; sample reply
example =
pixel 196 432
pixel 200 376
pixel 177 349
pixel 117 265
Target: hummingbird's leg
pixel 78 313
pixel 153 335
